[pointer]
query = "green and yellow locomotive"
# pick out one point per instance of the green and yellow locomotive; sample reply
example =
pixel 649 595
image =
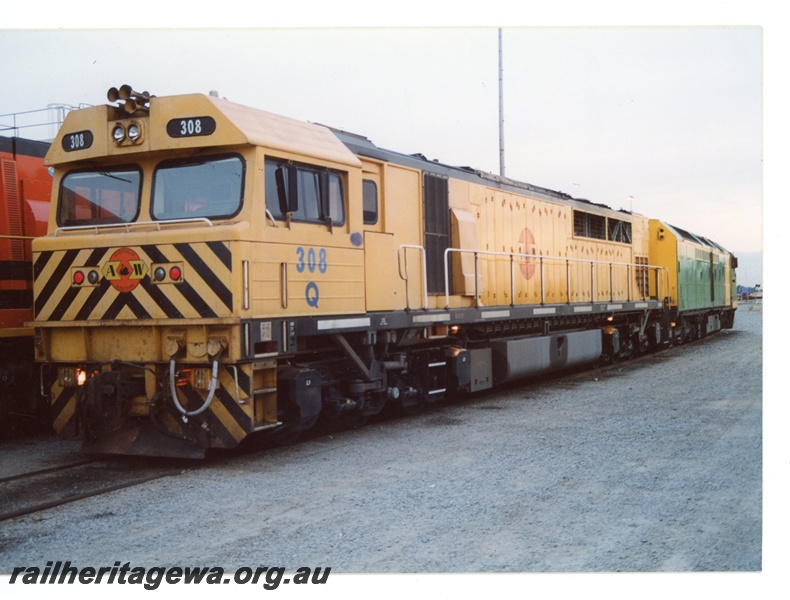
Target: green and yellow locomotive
pixel 213 271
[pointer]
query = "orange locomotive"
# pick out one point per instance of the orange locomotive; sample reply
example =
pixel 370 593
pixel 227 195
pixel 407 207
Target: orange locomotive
pixel 25 188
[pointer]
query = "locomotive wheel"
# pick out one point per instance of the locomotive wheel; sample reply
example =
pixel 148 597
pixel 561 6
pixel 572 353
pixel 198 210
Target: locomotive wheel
pixel 671 338
pixel 414 408
pixel 285 436
pixel 353 419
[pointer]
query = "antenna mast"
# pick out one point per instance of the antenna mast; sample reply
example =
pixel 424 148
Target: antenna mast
pixel 501 114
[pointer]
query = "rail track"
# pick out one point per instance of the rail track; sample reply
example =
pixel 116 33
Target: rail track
pixel 42 489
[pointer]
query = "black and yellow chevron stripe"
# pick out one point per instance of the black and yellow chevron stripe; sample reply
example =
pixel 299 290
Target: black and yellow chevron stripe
pixel 226 419
pixel 205 291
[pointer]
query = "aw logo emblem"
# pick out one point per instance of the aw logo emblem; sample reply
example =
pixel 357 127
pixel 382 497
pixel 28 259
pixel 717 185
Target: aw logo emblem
pixel 124 270
pixel 528 266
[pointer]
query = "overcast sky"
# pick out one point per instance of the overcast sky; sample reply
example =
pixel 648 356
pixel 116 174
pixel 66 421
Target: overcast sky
pixel 666 121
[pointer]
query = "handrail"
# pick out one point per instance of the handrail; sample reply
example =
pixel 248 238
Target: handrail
pixel 17 121
pixel 406 278
pixel 541 261
pixel 126 226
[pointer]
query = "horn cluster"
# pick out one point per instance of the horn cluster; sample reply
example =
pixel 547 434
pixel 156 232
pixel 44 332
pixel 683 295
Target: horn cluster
pixel 132 101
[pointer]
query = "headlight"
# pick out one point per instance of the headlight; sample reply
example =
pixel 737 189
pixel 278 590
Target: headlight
pixel 71 376
pixel 134 132
pixel 118 133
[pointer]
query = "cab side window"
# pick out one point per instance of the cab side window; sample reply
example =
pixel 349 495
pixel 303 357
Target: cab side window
pixel 370 202
pixel 310 194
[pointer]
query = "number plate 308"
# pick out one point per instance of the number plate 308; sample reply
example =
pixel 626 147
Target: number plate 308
pixel 191 126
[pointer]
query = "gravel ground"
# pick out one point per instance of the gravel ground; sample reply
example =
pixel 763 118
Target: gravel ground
pixel 652 466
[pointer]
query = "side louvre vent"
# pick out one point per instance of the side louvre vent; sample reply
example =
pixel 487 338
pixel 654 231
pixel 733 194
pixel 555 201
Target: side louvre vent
pixel 437 229
pixel 13 209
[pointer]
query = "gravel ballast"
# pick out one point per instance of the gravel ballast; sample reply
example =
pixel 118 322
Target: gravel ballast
pixel 652 465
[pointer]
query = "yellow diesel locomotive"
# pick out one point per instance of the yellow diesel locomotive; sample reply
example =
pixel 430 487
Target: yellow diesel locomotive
pixel 213 271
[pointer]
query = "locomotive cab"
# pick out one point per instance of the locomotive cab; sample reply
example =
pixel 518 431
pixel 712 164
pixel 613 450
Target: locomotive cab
pixel 162 246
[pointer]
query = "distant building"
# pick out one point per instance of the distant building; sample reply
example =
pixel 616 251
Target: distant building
pixel 750 293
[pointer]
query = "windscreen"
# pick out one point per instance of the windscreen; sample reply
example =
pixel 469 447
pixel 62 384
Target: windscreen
pixel 99 197
pixel 209 187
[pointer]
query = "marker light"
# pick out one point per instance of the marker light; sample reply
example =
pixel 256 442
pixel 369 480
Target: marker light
pixel 175 273
pixel 79 277
pixel 93 277
pixel 166 273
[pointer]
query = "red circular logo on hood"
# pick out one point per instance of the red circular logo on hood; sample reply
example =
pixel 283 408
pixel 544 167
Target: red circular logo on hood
pixel 528 240
pixel 124 270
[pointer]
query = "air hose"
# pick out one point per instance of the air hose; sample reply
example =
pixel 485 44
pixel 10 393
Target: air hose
pixel 209 398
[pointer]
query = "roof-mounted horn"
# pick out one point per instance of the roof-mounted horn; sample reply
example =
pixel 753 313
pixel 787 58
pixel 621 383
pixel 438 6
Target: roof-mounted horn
pixel 132 101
